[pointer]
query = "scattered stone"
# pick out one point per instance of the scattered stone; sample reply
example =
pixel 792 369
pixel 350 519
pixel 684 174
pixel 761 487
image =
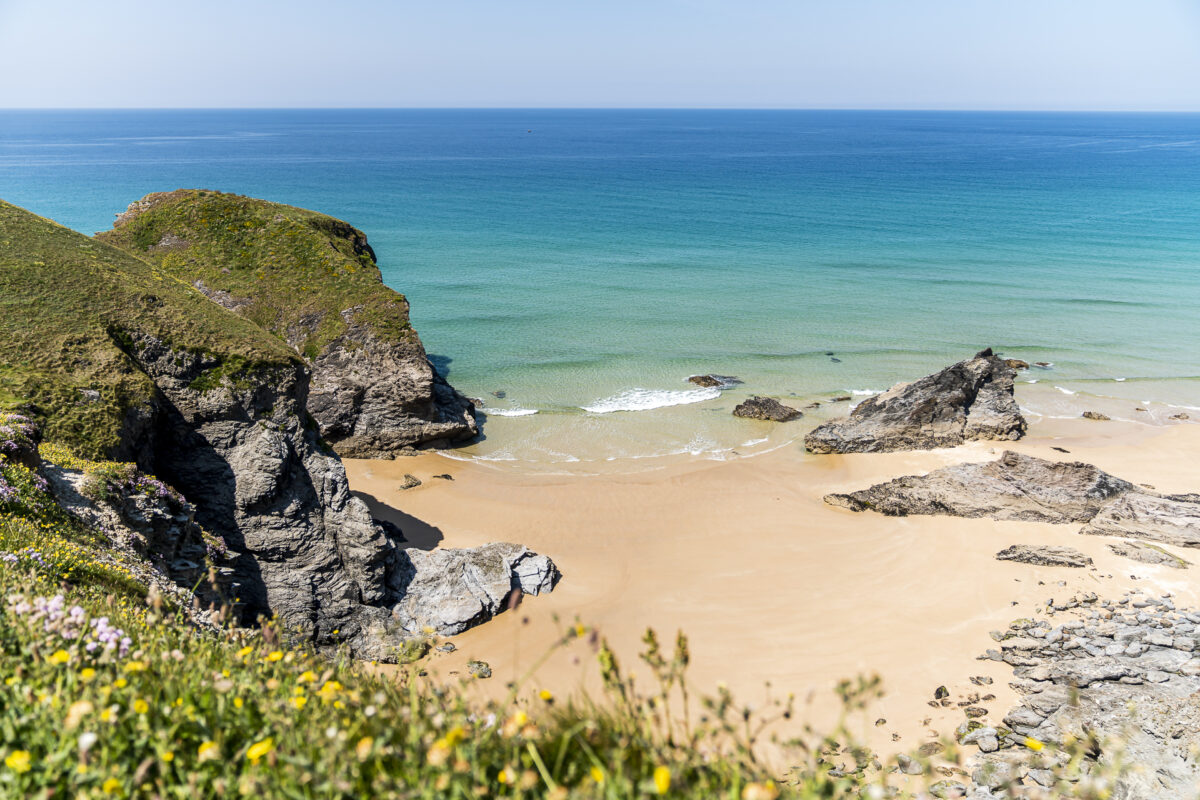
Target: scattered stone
pixel 500 394
pixel 969 400
pixel 941 693
pixel 765 408
pixel 975 712
pixel 930 748
pixel 948 789
pixel 448 647
pixel 445 477
pixel 1180 416
pixel 1060 449
pixel 479 669
pixel 879 723
pixel 410 482
pixel 1016 363
pixel 813 405
pixel 981 680
pixel 841 398
pixel 1148 554
pixel 714 381
pixel 1045 555
pixel 1096 415
pixel 1043 364
pixel 909 765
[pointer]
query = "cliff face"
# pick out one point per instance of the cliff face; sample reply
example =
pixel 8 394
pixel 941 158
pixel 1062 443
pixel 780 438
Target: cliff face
pixel 114 357
pixel 312 281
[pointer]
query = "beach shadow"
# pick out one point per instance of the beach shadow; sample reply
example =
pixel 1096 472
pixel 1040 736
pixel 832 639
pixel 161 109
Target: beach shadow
pixel 415 532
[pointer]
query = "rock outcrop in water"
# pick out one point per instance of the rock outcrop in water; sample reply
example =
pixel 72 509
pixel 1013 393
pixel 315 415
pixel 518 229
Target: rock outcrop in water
pixel 312 281
pixel 1021 487
pixel 766 408
pixel 972 399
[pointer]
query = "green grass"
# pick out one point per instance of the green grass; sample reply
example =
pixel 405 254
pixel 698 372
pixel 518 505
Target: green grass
pixel 68 307
pixel 298 269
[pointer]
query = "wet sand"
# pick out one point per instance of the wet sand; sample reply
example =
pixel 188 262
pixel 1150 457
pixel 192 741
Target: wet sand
pixel 771 584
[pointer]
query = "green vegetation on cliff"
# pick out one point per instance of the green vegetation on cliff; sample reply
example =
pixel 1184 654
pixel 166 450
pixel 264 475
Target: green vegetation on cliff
pixel 69 309
pixel 291 271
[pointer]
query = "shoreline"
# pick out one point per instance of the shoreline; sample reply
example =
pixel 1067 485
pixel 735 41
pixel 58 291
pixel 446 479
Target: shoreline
pixel 770 583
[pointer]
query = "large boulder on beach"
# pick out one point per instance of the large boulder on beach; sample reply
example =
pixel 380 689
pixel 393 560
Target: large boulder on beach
pixel 1044 555
pixel 766 408
pixel 972 399
pixel 1021 487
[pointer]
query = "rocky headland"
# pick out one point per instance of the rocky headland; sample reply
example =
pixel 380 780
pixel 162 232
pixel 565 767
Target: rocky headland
pixel 111 357
pixel 311 281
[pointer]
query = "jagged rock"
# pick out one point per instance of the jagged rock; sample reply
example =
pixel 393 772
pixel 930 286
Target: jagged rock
pixel 479 669
pixel 714 381
pixel 1021 487
pixel 410 481
pixel 841 398
pixel 1148 554
pixel 448 591
pixel 374 391
pixel 972 399
pixel 1180 416
pixel 765 408
pixel 1096 415
pixel 1016 363
pixel 1045 555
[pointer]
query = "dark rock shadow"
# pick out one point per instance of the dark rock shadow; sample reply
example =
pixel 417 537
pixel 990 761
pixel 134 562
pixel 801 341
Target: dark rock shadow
pixel 416 533
pixel 440 363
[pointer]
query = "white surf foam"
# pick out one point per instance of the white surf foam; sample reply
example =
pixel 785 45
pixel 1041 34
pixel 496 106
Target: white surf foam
pixel 647 399
pixel 509 412
pixel 1065 391
pixel 865 392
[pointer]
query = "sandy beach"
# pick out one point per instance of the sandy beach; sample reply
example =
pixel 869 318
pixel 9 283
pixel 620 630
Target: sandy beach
pixel 772 585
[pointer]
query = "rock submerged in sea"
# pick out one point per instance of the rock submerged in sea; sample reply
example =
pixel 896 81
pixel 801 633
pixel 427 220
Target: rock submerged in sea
pixel 1045 555
pixel 1096 415
pixel 766 408
pixel 714 381
pixel 972 399
pixel 1021 487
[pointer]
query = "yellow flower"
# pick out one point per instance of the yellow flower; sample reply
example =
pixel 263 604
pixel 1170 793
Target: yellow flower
pixel 274 655
pixel 597 775
pixel 135 666
pixel 168 756
pixel 662 780
pixel 1033 744
pixel 579 630
pixel 111 786
pixel 120 683
pixel 245 651
pixel 363 748
pixel 108 715
pixel 238 702
pixel 545 695
pixel 260 749
pixel 329 689
pixel 308 676
pixel 59 657
pixel 86 674
pixel 140 706
pixel 454 735
pixel 18 761
pixel 299 701
pixel 506 776
pixel 208 750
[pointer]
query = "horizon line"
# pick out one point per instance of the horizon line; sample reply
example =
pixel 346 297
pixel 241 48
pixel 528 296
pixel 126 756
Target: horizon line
pixel 880 109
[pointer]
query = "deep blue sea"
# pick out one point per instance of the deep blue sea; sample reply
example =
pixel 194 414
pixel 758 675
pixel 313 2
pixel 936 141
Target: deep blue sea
pixel 584 263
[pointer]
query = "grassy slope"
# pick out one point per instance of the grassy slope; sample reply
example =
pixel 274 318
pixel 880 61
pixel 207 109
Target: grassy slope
pixel 65 301
pixel 295 265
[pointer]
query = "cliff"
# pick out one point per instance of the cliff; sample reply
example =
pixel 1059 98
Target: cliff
pixel 312 281
pixel 115 357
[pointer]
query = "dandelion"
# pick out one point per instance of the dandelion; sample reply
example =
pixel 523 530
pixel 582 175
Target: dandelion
pixel 506 776
pixel 546 695
pixel 18 761
pixel 274 655
pixel 135 666
pixel 59 657
pixel 245 651
pixel 308 676
pixel 662 780
pixel 238 702
pixel 260 749
pixel 299 701
pixel 140 706
pixel 87 674
pixel 363 748
pixel 597 775
pixel 111 786
pixel 208 750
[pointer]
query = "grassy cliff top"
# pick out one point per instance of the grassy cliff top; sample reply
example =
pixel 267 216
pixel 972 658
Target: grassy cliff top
pixel 291 271
pixel 67 306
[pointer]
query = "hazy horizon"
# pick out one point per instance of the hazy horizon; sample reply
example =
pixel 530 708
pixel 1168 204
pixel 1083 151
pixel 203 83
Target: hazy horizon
pixel 934 55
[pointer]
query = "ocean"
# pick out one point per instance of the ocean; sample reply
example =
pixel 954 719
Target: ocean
pixel 584 263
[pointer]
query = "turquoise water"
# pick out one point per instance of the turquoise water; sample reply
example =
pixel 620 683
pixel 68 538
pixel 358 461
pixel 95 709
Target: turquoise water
pixel 594 259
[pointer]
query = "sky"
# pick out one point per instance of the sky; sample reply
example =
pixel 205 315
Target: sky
pixel 911 54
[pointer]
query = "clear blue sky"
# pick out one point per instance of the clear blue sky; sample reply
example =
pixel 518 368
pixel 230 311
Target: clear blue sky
pixel 1023 54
